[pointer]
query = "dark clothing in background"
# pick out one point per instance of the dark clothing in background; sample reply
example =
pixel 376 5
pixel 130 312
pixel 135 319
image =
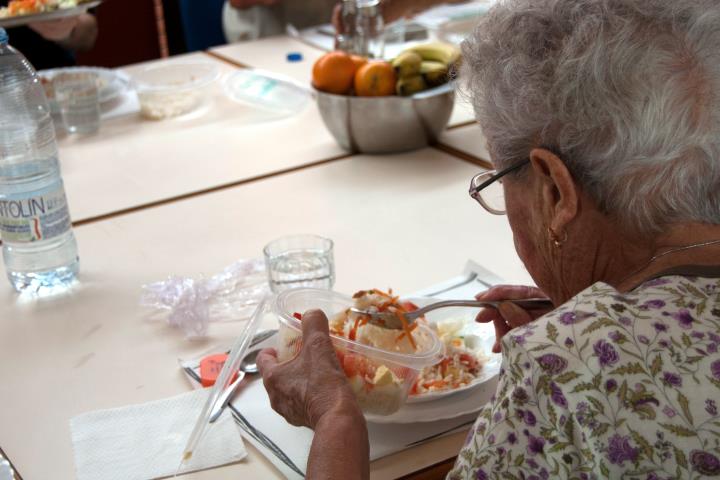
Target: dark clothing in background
pixel 42 53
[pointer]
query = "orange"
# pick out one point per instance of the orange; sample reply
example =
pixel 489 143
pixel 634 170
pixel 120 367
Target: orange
pixel 333 73
pixel 358 61
pixel 375 79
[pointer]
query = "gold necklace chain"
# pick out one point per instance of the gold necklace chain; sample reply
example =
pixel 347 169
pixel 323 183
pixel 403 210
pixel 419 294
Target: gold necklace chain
pixel 668 252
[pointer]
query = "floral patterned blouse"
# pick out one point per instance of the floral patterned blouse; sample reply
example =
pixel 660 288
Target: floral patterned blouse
pixel 609 385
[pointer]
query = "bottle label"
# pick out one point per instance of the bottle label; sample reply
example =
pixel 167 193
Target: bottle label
pixel 32 219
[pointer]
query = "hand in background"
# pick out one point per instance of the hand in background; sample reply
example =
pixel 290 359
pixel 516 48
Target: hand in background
pixel 244 4
pixel 56 30
pixel 508 315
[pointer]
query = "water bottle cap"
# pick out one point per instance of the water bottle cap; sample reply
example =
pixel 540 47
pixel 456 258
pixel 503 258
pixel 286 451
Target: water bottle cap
pixel 294 57
pixel 3 36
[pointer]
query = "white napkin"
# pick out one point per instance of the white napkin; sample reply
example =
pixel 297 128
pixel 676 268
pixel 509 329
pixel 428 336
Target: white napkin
pixel 146 441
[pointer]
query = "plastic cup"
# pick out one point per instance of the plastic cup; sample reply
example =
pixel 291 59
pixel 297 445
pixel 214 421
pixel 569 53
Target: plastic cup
pixel 359 360
pixel 300 261
pixel 77 95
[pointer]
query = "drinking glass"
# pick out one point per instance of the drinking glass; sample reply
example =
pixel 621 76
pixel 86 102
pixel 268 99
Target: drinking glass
pixel 300 261
pixel 78 99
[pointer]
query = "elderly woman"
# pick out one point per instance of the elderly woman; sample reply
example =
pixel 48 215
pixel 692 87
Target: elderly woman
pixel 602 118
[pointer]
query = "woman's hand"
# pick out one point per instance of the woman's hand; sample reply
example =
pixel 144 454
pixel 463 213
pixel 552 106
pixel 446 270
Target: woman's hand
pixel 508 315
pixel 312 384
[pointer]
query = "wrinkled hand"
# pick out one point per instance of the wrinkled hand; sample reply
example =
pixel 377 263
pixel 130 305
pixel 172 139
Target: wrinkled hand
pixel 508 315
pixel 55 30
pixel 312 384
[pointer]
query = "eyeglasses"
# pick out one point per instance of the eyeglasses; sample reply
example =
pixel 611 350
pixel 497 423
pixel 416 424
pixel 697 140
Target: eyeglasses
pixel 487 189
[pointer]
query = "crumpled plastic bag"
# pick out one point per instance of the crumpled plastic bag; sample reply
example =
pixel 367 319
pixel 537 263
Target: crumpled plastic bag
pixel 231 295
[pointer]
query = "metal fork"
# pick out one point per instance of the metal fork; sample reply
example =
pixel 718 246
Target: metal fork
pixel 392 320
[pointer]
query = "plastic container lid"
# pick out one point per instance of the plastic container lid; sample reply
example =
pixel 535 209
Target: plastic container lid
pixel 267 91
pixel 3 36
pixel 430 349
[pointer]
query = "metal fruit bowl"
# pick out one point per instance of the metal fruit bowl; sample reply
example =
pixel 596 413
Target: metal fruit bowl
pixel 387 124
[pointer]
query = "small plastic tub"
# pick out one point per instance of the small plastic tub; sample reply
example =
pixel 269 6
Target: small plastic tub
pixel 381 378
pixel 173 89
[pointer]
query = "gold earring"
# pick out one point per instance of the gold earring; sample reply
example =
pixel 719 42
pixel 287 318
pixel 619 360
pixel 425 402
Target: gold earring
pixel 557 241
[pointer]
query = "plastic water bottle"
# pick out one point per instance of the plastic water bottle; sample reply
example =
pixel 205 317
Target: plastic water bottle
pixel 39 248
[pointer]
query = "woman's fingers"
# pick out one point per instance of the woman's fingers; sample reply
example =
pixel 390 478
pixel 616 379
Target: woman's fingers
pixel 501 328
pixel 266 360
pixel 514 315
pixel 510 292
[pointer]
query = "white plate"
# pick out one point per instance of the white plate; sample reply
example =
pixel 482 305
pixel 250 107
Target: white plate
pixel 456 405
pixel 481 336
pixel 42 17
pixel 113 83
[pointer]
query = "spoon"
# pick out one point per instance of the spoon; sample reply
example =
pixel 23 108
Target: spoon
pixel 392 319
pixel 248 365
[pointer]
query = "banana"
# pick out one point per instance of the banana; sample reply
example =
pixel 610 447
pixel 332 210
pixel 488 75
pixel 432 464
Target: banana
pixel 434 73
pixel 410 85
pixel 438 52
pixel 407 64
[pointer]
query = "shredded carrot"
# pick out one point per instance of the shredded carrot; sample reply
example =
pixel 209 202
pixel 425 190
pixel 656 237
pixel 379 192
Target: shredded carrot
pixel 406 328
pixel 353 332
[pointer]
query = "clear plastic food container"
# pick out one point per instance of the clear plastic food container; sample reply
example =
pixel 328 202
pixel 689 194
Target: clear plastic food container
pixel 380 378
pixel 173 89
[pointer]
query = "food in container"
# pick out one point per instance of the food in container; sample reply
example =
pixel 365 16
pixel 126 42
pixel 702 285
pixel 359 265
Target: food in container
pixel 381 364
pixel 173 89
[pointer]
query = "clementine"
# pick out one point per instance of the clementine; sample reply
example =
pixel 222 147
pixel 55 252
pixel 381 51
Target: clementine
pixel 375 79
pixel 334 73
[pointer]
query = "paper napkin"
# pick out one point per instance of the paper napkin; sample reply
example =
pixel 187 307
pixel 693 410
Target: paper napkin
pixel 146 441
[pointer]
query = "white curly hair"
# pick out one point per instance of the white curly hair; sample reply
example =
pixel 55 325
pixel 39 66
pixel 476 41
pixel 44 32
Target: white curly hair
pixel 626 92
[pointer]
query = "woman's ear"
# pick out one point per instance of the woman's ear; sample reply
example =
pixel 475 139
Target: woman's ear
pixel 560 194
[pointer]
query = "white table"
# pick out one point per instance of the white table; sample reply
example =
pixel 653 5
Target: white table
pixel 404 221
pixel 134 162
pixel 468 142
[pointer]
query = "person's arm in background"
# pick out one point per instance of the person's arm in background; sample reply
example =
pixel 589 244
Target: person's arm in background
pixel 244 4
pixel 395 9
pixel 73 33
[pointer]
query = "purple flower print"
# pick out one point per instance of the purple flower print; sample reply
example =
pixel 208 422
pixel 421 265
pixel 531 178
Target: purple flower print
pixel 669 411
pixel 664 343
pixel 469 437
pixel 518 339
pixel 556 395
pixel 491 439
pixel 512 438
pixel 570 318
pixel 481 475
pixel 610 385
pixel 684 318
pixel 535 445
pixel 714 337
pixel 620 450
pixel 497 417
pixel 615 336
pixel 532 464
pixel 606 353
pixel 654 304
pixel 643 339
pixel 520 395
pixel 530 419
pixel 712 348
pixel 711 407
pixel 672 379
pixel 569 342
pixel 656 282
pixel 660 327
pixel 625 321
pixel 715 369
pixel 544 473
pixel 698 335
pixel 551 363
pixel 705 463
